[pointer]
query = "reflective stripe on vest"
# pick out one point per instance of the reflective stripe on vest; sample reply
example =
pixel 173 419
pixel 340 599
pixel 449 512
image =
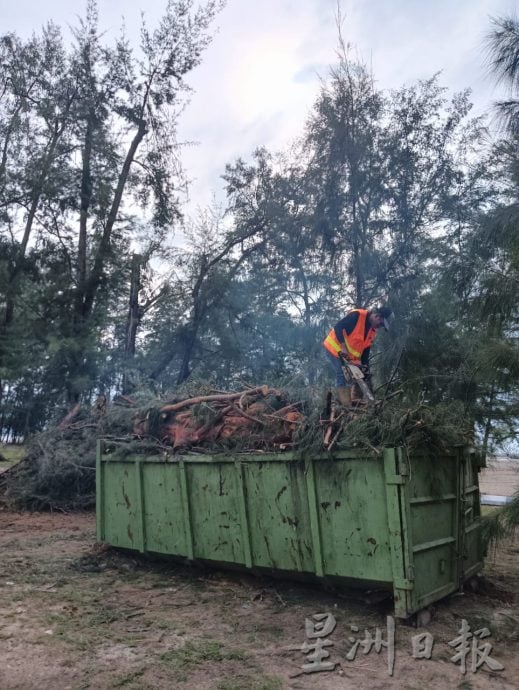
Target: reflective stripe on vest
pixel 332 344
pixel 355 343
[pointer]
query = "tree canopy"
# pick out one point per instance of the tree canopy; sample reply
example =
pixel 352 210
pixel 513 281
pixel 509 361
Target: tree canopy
pixel 397 197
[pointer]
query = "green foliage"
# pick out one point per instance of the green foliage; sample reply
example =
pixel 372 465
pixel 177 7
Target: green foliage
pixel 86 130
pixel 392 197
pixel 58 471
pixel 503 524
pixel 503 48
pixel 194 653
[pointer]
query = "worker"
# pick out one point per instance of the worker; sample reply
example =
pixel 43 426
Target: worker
pixel 353 336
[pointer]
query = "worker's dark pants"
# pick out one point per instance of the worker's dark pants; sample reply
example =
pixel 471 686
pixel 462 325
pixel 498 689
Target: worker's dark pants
pixel 335 363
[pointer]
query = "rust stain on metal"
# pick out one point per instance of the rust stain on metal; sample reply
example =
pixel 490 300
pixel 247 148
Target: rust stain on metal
pixel 130 533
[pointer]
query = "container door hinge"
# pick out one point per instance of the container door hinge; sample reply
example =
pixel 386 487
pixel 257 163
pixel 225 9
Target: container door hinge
pixel 396 479
pixel 403 583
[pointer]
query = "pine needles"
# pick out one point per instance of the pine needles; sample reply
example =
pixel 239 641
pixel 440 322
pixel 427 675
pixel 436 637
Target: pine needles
pixel 503 524
pixel 59 471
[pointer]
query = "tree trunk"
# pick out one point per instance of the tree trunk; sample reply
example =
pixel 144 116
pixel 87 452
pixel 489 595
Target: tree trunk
pixel 189 345
pixel 87 292
pixel 35 200
pixel 96 275
pixel 488 424
pixel 86 197
pixel 134 317
pixel 9 131
pixel 134 311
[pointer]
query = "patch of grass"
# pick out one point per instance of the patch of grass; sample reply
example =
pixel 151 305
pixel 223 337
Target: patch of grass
pixel 273 632
pixel 266 632
pixel 83 685
pixel 197 652
pixel 490 510
pixel 12 453
pixel 128 678
pixel 465 685
pixel 237 655
pixel 79 642
pixel 81 627
pixel 251 683
pixel 103 616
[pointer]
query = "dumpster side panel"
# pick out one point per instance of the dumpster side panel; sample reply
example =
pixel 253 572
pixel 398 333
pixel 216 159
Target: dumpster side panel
pixel 121 508
pixel 353 520
pixel 163 512
pixel 433 504
pixel 412 523
pixel 214 511
pixel 278 515
pixel 472 544
pixel 398 518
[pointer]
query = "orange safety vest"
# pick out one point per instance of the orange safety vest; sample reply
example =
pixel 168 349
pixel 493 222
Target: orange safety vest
pixel 355 343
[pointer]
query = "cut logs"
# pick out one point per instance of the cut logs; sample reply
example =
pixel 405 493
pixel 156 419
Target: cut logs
pixel 259 418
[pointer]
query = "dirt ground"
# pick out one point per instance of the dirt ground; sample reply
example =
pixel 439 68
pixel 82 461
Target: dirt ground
pixel 500 477
pixel 78 615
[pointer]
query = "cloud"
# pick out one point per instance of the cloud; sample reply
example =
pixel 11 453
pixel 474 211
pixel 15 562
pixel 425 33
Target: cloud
pixel 257 83
pixel 260 76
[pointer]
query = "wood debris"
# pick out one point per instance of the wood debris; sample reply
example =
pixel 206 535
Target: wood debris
pixel 258 417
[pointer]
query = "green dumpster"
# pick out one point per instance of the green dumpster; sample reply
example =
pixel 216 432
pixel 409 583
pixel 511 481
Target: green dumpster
pixel 410 524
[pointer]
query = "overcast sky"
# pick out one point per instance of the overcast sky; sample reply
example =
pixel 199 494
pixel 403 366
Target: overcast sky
pixel 260 76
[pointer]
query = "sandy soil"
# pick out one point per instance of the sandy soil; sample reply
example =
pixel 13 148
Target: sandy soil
pixel 500 477
pixel 78 615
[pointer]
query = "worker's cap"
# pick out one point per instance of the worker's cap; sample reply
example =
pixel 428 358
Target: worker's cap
pixel 385 313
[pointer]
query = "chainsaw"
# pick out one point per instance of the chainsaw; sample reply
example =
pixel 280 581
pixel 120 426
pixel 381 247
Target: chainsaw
pixel 354 375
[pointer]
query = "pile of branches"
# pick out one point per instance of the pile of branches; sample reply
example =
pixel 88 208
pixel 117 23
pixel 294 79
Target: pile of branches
pixel 434 430
pixel 259 418
pixel 59 470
